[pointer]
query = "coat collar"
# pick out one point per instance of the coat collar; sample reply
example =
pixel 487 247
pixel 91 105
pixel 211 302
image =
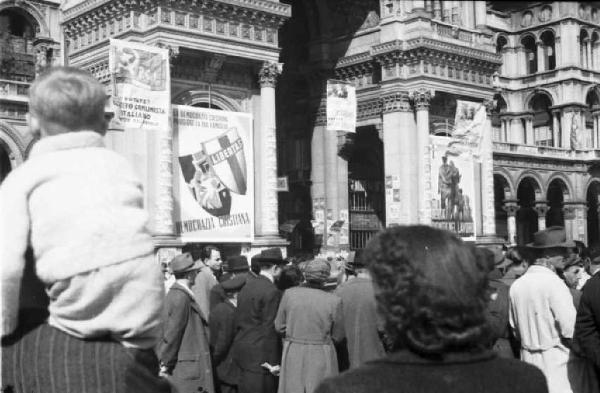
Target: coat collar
pixel 177 286
pixel 69 140
pixel 408 357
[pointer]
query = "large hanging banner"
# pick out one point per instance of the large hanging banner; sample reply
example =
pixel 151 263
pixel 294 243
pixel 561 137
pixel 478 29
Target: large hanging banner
pixel 469 123
pixel 453 189
pixel 341 106
pixel 140 80
pixel 213 174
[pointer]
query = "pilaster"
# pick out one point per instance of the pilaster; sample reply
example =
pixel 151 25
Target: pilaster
pixel 421 99
pixel 487 174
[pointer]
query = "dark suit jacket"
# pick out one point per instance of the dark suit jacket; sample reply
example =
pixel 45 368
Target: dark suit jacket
pixel 222 325
pixel 587 326
pixel 256 340
pixel 459 372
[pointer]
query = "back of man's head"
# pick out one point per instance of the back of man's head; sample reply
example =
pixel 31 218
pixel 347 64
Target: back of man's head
pixel 67 99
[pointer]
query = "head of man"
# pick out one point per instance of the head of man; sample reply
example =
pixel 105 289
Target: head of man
pixel 185 269
pixel 549 248
pixel 270 262
pixel 571 273
pixel 431 289
pixel 66 99
pixel 211 256
pixel 444 159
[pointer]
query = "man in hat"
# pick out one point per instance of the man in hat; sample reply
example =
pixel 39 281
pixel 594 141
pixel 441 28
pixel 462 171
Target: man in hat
pixel 587 325
pixel 362 324
pixel 184 352
pixel 542 314
pixel 222 325
pixel 256 341
pixel 235 266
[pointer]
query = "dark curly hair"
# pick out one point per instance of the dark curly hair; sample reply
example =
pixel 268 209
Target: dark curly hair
pixel 431 288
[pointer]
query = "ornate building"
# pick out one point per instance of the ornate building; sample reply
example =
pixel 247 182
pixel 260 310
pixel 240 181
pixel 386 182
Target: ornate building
pixel 533 64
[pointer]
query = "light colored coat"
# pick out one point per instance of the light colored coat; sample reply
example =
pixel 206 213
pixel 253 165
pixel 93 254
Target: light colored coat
pixel 310 319
pixel 541 313
pixel 79 206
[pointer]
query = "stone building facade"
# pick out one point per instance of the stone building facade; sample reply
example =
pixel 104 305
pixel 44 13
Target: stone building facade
pixel 533 64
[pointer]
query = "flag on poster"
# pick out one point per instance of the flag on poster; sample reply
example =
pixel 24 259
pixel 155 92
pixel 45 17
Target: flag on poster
pixel 341 106
pixel 141 85
pixel 469 123
pixel 453 189
pixel 214 171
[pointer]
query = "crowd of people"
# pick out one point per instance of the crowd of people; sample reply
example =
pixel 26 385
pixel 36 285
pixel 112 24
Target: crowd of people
pixel 85 307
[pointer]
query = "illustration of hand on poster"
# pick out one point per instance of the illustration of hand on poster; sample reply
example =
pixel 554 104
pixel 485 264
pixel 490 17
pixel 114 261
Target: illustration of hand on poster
pixel 215 193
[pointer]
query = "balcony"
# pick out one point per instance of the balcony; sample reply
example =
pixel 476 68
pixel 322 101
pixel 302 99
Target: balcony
pixel 546 151
pixel 13 91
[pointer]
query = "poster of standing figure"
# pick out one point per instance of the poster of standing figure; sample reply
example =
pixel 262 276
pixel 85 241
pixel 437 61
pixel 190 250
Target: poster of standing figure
pixel 214 188
pixel 453 186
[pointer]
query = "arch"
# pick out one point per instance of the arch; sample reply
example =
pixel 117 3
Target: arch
pixel 557 194
pixel 538 91
pixel 504 175
pixel 528 193
pixel 12 141
pixel 197 97
pixel 537 182
pixel 591 92
pixel 528 42
pixel 30 12
pixel 501 42
pixel 563 182
pixel 547 38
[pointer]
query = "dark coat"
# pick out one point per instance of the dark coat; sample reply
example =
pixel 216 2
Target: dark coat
pixel 460 372
pixel 222 324
pixel 256 340
pixel 362 324
pixel 497 317
pixel 587 325
pixel 184 346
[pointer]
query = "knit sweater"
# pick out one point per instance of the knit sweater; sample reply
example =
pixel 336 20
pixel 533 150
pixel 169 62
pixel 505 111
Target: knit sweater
pixel 79 206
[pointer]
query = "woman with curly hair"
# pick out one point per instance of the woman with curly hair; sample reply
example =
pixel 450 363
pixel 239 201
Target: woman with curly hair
pixel 433 291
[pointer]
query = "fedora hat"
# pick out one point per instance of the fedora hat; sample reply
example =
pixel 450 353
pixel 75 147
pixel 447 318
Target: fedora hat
pixel 237 263
pixel 270 256
pixel 551 237
pixel 184 263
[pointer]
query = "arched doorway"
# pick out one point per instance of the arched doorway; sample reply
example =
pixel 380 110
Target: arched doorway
pixel 542 120
pixel 592 134
pixel 527 217
pixel 17 35
pixel 500 132
pixel 556 198
pixel 5 162
pixel 501 191
pixel 528 43
pixel 549 51
pixel 593 222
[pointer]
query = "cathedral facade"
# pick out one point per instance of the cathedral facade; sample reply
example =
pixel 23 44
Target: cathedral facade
pixel 535 66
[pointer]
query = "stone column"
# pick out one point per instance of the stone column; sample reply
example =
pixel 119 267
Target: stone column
pixel 557 53
pixel 265 142
pixel 555 129
pixel 541 60
pixel 487 174
pixel 421 99
pixel 594 130
pixel 437 9
pixel 541 208
pixel 480 14
pixel 511 207
pixel 342 191
pixel 317 173
pixel 588 51
pixel 569 213
pixel 529 135
pixel 399 149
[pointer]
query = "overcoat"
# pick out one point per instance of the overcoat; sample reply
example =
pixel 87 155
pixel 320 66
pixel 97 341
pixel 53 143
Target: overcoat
pixel 221 339
pixel 184 345
pixel 310 319
pixel 362 323
pixel 256 340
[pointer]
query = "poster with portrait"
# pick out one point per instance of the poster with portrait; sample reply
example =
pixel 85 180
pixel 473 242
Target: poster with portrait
pixel 341 106
pixel 213 174
pixel 453 189
pixel 141 85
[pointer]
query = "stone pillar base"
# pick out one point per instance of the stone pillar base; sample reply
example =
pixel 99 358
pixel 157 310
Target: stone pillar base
pixel 489 240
